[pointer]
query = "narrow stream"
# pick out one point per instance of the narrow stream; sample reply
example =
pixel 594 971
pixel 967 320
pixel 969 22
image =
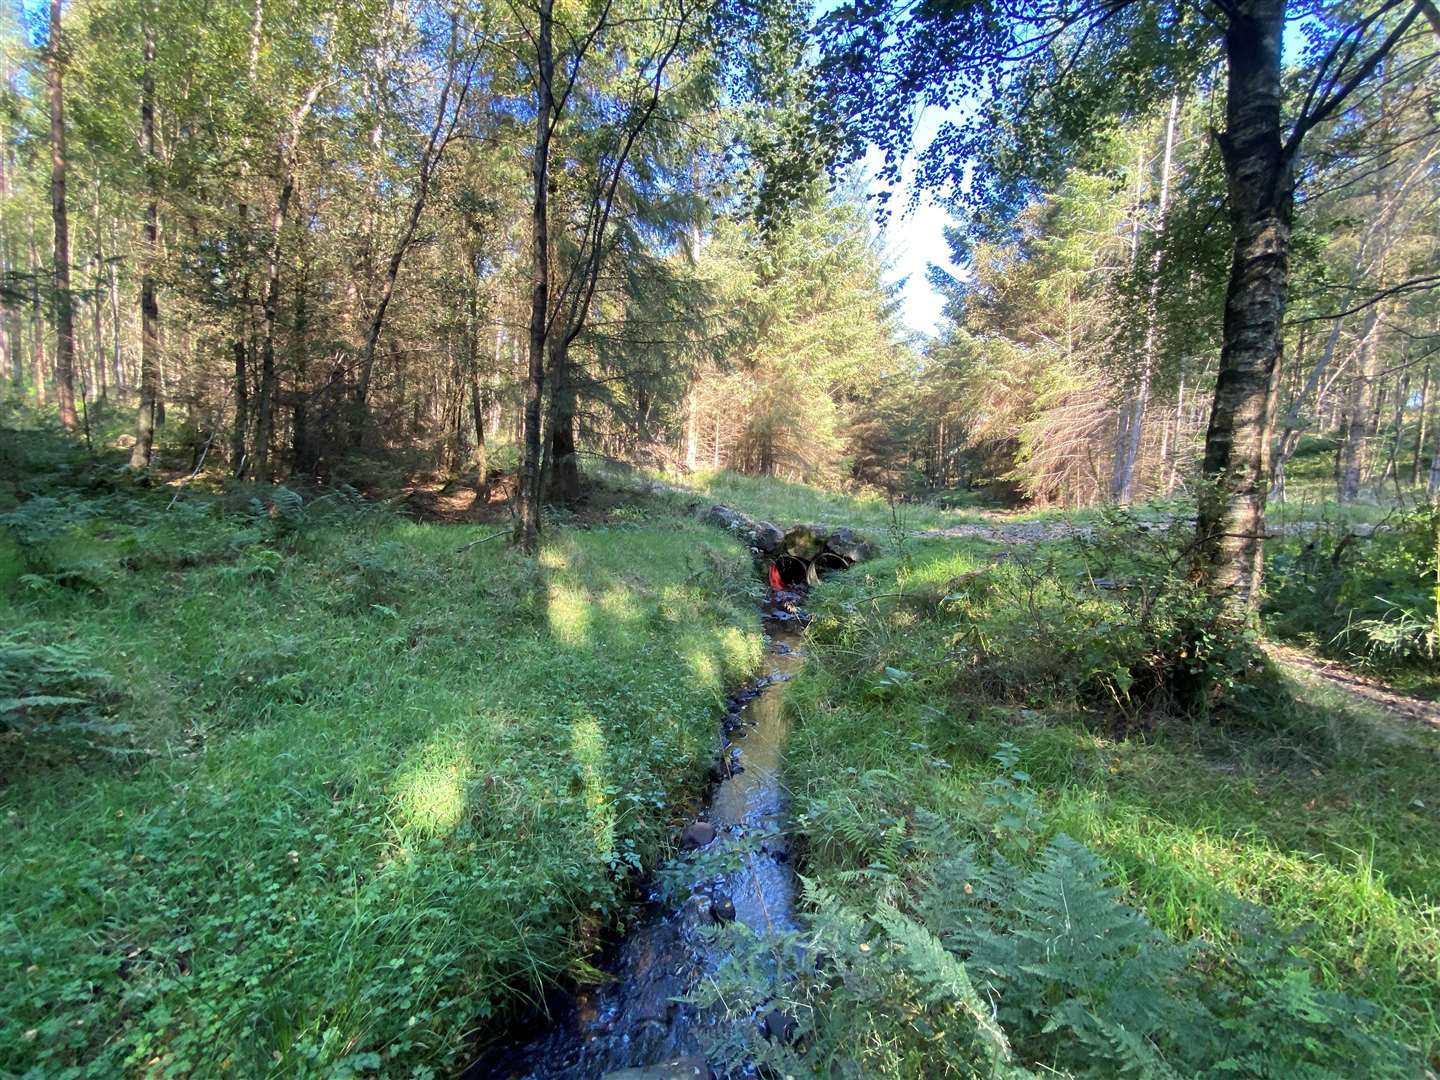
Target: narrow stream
pixel 734 864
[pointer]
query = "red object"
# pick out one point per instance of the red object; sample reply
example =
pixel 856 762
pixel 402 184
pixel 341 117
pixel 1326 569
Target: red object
pixel 775 582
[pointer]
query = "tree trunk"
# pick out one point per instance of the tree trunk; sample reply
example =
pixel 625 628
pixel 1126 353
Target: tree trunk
pixel 564 470
pixel 1231 519
pixel 240 348
pixel 477 417
pixel 96 324
pixel 1420 434
pixel 305 454
pixel 117 356
pixel 527 521
pixel 1392 463
pixel 1290 435
pixel 692 431
pixel 64 302
pixel 435 146
pixel 1358 419
pixel 37 323
pixel 148 412
pixel 1433 488
pixel 1124 489
pixel 270 316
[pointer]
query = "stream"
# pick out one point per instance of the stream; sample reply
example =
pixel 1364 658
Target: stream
pixel 733 864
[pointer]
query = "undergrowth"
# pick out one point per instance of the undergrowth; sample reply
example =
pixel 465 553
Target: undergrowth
pixel 1131 888
pixel 376 791
pixel 1369 596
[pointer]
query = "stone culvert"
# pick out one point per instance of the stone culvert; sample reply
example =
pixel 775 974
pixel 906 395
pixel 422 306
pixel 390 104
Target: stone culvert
pixel 798 555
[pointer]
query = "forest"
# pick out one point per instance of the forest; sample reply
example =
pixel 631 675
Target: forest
pixel 501 578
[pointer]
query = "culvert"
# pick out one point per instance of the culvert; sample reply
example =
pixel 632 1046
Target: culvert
pixel 793 570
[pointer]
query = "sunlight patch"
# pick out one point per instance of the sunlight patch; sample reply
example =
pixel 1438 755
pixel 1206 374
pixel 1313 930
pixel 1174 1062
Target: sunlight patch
pixel 431 796
pixel 619 603
pixel 587 746
pixel 569 612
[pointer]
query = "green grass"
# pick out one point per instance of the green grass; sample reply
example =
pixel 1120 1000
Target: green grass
pixel 387 790
pixel 1326 818
pixel 786 503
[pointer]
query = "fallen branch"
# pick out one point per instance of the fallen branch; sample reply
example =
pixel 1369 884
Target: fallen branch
pixel 198 466
pixel 466 547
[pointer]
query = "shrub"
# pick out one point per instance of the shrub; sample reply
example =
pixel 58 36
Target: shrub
pixel 54 697
pixel 1370 598
pixel 1119 623
pixel 953 960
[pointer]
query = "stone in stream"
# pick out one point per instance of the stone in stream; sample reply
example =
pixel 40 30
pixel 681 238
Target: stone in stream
pixel 760 535
pixel 722 517
pixel 689 1068
pixel 767 537
pixel 778 1027
pixel 722 908
pixel 804 542
pixel 849 545
pixel 696 835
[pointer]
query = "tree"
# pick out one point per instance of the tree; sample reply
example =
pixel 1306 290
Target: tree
pixel 64 299
pixel 149 407
pixel 642 43
pixel 1045 81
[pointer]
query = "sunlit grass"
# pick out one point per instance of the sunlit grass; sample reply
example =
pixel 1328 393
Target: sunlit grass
pixel 1328 819
pixel 386 785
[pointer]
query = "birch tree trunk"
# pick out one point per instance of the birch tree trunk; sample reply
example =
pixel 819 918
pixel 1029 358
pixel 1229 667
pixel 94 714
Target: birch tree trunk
pixel 1358 419
pixel 148 411
pixel 1231 520
pixel 64 301
pixel 1124 486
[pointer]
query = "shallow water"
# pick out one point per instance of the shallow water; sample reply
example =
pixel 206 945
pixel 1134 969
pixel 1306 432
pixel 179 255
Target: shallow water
pixel 633 1022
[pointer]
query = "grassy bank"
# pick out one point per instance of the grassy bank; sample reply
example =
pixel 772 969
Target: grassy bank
pixel 338 792
pixel 1317 820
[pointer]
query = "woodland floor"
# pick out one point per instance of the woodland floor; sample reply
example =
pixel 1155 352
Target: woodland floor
pixel 379 787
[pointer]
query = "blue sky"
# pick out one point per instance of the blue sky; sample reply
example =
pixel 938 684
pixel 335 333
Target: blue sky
pixel 914 239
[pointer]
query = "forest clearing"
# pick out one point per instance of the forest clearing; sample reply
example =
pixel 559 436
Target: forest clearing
pixel 656 539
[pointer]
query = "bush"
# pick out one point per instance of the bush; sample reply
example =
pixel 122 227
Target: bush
pixel 952 960
pixel 1372 599
pixel 53 697
pixel 1119 624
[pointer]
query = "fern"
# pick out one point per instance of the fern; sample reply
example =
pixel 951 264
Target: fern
pixel 54 692
pixel 943 977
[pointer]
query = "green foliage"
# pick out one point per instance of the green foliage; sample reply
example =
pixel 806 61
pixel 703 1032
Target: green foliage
pixel 969 964
pixel 52 695
pixel 388 788
pixel 1306 807
pixel 1367 595
pixel 812 330
pixel 1114 623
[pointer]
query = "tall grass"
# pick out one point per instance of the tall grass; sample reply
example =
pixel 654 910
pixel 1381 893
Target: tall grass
pixel 1316 812
pixel 386 789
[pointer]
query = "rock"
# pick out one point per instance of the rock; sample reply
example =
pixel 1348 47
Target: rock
pixel 734 522
pixel 696 835
pixel 687 1068
pixel 849 545
pixel 804 542
pixel 768 537
pixel 778 1027
pixel 722 908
